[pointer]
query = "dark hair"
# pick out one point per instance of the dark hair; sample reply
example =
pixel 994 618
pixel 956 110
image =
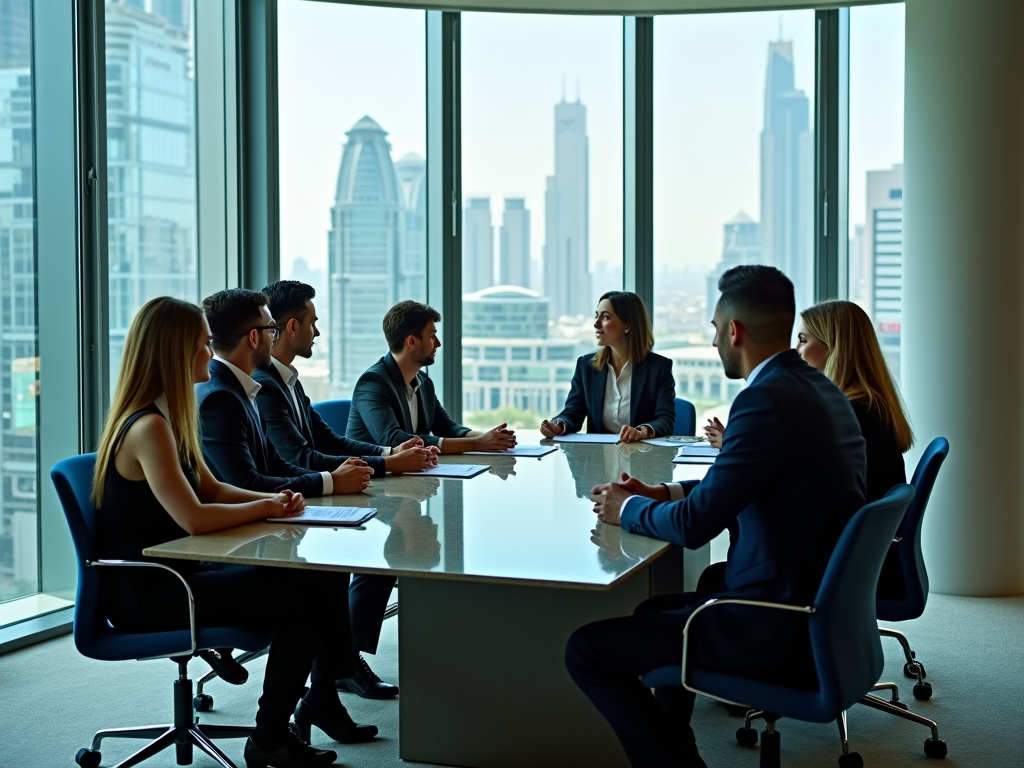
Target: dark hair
pixel 631 311
pixel 405 319
pixel 761 298
pixel 231 314
pixel 287 299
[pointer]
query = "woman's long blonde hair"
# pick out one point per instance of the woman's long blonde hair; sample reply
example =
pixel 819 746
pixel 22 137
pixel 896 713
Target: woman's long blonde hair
pixel 159 351
pixel 856 364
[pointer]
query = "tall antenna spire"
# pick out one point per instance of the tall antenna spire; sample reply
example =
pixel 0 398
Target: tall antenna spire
pixel 563 89
pixel 577 89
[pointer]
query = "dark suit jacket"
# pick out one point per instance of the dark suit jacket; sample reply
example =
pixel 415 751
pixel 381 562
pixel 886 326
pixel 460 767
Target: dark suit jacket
pixel 380 408
pixel 304 438
pixel 785 494
pixel 234 439
pixel 652 393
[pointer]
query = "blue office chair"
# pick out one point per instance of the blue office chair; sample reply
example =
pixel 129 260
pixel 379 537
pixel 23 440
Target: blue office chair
pixel 845 644
pixel 335 413
pixel 686 418
pixel 910 604
pixel 96 638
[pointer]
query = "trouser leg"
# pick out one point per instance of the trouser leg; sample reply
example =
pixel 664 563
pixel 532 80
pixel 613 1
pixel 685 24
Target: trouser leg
pixel 367 600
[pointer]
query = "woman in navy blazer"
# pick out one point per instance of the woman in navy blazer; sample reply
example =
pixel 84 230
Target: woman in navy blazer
pixel 624 365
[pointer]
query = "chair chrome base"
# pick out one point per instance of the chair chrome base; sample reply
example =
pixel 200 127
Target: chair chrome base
pixel 183 734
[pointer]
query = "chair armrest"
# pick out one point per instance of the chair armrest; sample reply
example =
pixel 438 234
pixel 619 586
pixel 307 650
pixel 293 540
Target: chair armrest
pixel 805 609
pixel 142 564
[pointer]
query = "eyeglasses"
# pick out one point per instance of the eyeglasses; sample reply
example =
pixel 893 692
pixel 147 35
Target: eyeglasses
pixel 275 330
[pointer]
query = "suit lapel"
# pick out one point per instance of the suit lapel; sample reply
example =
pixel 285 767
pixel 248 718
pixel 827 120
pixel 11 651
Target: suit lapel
pixel 230 381
pixel 401 389
pixel 596 405
pixel 305 421
pixel 637 380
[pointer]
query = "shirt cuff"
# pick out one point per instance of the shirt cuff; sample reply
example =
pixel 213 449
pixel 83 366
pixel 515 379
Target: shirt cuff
pixel 328 483
pixel 676 491
pixel 653 432
pixel 386 451
pixel 440 442
pixel 622 509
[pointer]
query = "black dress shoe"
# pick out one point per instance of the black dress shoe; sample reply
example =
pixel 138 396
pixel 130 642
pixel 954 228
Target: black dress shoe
pixel 223 663
pixel 338 725
pixel 293 753
pixel 366 684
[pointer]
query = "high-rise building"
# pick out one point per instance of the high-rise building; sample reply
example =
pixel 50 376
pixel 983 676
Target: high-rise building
pixel 412 177
pixel 15 34
pixel 477 245
pixel 515 243
pixel 787 174
pixel 365 253
pixel 883 241
pixel 742 245
pixel 151 172
pixel 567 216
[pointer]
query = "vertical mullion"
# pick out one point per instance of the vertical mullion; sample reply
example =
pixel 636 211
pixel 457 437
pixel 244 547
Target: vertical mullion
pixel 831 157
pixel 444 197
pixel 638 157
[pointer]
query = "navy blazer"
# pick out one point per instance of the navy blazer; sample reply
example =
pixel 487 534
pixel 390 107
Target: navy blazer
pixel 791 474
pixel 380 408
pixel 652 395
pixel 302 437
pixel 234 440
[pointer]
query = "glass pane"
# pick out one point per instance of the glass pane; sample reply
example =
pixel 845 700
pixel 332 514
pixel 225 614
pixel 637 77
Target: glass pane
pixel 19 360
pixel 151 159
pixel 542 227
pixel 353 139
pixel 733 175
pixel 876 170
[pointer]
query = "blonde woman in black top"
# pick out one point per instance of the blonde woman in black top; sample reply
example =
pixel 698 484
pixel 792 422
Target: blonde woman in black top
pixel 152 485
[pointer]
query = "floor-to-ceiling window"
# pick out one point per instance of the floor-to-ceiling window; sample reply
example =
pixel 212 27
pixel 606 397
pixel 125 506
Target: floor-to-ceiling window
pixel 19 357
pixel 151 159
pixel 876 170
pixel 352 117
pixel 733 175
pixel 542 205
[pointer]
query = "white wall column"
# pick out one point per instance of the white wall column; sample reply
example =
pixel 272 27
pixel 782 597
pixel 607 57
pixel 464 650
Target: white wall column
pixel 963 284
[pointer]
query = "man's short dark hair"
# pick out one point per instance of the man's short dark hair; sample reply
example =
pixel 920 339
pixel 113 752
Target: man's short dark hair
pixel 232 314
pixel 761 299
pixel 287 299
pixel 405 319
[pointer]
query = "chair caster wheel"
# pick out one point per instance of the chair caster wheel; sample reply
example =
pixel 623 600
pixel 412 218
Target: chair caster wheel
pixel 910 670
pixel 88 758
pixel 736 711
pixel 923 691
pixel 852 760
pixel 202 702
pixel 899 704
pixel 935 748
pixel 746 737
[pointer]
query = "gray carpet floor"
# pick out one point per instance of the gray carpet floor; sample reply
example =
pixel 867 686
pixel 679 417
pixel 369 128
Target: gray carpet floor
pixel 52 699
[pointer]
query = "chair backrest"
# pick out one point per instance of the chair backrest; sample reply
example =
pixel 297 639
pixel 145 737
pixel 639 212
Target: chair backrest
pixel 335 413
pixel 686 418
pixel 844 627
pixel 73 480
pixel 915 575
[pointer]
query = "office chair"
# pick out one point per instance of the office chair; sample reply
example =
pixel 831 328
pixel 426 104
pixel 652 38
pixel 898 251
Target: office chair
pixel 335 413
pixel 910 605
pixel 686 418
pixel 845 644
pixel 96 638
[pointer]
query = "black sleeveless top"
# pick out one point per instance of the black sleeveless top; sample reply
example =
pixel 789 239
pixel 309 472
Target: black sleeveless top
pixel 129 520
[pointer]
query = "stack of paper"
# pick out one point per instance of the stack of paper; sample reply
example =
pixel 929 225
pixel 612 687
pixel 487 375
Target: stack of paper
pixel 338 516
pixel 533 451
pixel 696 453
pixel 459 471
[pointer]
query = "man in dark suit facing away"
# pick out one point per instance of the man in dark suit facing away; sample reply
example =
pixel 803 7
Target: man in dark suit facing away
pixel 790 475
pixel 303 438
pixel 234 435
pixel 394 400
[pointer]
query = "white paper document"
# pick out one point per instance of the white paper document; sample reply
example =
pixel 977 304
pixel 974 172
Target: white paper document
pixel 339 516
pixel 697 453
pixel 587 437
pixel 672 442
pixel 461 471
pixel 533 451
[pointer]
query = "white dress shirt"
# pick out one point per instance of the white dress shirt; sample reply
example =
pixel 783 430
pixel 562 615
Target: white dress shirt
pixel 616 398
pixel 676 491
pixel 414 410
pixel 251 387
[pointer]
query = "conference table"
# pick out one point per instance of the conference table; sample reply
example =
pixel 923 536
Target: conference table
pixel 495 572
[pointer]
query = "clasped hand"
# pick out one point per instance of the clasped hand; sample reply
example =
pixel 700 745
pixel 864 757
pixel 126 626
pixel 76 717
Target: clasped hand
pixel 609 497
pixel 353 476
pixel 412 456
pixel 285 504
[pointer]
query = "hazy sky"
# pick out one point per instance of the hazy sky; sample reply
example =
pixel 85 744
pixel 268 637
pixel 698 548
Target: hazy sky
pixel 338 63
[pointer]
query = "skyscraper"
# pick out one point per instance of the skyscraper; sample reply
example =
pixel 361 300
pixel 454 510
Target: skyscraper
pixel 515 243
pixel 477 245
pixel 567 216
pixel 15 34
pixel 787 174
pixel 883 242
pixel 742 245
pixel 151 173
pixel 412 177
pixel 364 252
